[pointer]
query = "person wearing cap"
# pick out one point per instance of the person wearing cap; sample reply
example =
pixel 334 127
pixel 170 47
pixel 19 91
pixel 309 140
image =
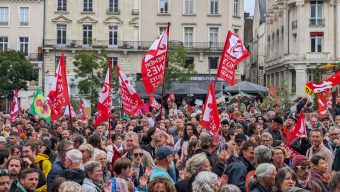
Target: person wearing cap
pixel 163 161
pixel 2 142
pixel 274 129
pixel 302 167
pixel 240 139
pixel 325 122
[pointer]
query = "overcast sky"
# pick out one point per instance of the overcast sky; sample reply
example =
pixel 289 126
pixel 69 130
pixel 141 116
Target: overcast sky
pixel 249 6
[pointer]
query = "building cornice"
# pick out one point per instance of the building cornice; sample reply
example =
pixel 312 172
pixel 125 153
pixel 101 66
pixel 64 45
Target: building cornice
pixel 87 20
pixel 61 19
pixel 113 20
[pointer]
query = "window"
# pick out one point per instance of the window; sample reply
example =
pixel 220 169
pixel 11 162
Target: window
pixel 114 61
pixel 316 13
pixel 237 8
pixel 189 62
pixel 113 6
pixel 4 12
pixel 188 36
pixel 316 41
pixel 87 35
pixel 161 29
pixel 113 36
pixel 87 6
pixel 3 43
pixel 61 35
pixel 163 6
pixel 57 59
pixel 24 16
pixel 188 6
pixel 214 6
pixel 62 5
pixel 213 62
pixel 23 45
pixel 236 31
pixel 213 36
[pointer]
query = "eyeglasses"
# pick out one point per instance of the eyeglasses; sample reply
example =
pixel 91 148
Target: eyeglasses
pixel 304 167
pixel 4 172
pixel 138 154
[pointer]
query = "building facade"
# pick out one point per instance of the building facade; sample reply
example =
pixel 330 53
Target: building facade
pixel 300 36
pixel 21 26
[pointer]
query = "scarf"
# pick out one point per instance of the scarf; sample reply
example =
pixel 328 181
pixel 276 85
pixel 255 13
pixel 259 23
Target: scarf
pixel 303 183
pixel 324 178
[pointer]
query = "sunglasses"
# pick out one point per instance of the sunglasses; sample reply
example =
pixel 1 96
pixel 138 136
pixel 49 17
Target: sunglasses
pixel 4 172
pixel 138 154
pixel 304 167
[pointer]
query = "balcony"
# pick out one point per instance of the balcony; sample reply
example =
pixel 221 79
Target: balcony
pixel 113 11
pixel 34 56
pixel 133 45
pixel 320 56
pixel 316 22
pixel 135 11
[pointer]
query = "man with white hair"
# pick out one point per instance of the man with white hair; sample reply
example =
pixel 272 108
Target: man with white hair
pixel 265 177
pixel 73 162
pixel 101 157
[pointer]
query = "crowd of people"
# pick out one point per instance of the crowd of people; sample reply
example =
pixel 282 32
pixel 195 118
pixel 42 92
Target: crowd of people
pixel 169 150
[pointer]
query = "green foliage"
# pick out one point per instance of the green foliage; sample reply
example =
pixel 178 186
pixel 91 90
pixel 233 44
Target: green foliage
pixel 177 67
pixel 316 78
pixel 91 68
pixel 15 71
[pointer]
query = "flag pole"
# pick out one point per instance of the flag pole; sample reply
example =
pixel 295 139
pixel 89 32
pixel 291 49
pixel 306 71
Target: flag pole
pixel 110 80
pixel 166 63
pixel 70 119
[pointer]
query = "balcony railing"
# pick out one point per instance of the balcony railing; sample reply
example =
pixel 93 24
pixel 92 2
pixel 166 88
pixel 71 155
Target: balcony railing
pixel 34 56
pixel 317 22
pixel 133 45
pixel 113 11
pixel 294 24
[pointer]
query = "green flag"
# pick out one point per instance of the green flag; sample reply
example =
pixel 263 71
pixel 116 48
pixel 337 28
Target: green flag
pixel 40 107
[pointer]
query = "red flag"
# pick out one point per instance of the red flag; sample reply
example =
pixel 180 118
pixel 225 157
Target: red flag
pixel 154 103
pixel 312 87
pixel 290 150
pixel 58 95
pixel 272 91
pixel 327 95
pixel 234 52
pixel 322 107
pixel 81 110
pixel 15 108
pixel 299 129
pixel 210 118
pixel 131 100
pixel 105 101
pixel 171 98
pixel 154 63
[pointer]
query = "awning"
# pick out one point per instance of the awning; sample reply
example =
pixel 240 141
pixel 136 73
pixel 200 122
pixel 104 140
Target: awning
pixel 246 87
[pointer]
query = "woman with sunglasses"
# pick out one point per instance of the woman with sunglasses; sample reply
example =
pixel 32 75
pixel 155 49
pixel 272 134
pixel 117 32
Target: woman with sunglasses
pixel 137 168
pixel 301 166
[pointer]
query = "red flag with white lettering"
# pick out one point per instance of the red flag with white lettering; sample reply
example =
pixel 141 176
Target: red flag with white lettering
pixel 313 87
pixel 171 98
pixel 299 129
pixel 210 118
pixel 130 98
pixel 105 100
pixel 322 107
pixel 15 108
pixel 234 52
pixel 58 96
pixel 81 110
pixel 154 63
pixel 154 104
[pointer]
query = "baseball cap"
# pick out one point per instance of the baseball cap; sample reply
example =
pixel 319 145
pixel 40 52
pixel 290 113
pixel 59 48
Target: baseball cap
pixel 278 120
pixel 163 152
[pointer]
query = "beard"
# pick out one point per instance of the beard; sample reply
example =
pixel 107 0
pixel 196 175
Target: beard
pixel 13 173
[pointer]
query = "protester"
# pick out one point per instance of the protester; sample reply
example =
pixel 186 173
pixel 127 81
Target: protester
pixel 285 179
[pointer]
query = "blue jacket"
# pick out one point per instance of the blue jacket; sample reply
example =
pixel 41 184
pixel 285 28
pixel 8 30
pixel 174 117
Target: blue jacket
pixel 237 172
pixel 56 170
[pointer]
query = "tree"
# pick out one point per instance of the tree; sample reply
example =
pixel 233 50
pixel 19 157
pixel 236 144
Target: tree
pixel 90 69
pixel 15 72
pixel 178 67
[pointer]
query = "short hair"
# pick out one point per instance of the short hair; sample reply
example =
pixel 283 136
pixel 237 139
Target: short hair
pixel 131 134
pixel 264 170
pixel 32 145
pixel 334 128
pixel 15 134
pixel 27 171
pixel 205 181
pixel 225 122
pixel 56 183
pixel 165 181
pixel 262 154
pixel 229 188
pixel 79 139
pixel 18 159
pixel 194 164
pixel 90 166
pixel 88 148
pixel 4 154
pixel 316 130
pixel 62 145
pixel 98 153
pixel 95 140
pixel 69 186
pixel 266 134
pixel 75 156
pixel 280 148
pixel 247 145
pixel 120 164
pixel 316 158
